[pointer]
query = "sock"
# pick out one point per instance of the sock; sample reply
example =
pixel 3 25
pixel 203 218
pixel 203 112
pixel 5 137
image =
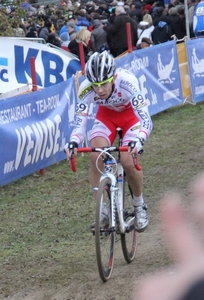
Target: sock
pixel 137 201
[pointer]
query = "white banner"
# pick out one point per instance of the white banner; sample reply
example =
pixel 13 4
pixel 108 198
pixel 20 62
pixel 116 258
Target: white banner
pixel 53 65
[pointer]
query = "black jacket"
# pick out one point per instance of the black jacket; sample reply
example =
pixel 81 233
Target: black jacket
pixel 161 33
pixel 118 31
pixel 74 48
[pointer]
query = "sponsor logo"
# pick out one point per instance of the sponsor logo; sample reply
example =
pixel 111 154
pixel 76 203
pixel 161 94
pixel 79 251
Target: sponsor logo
pixel 96 98
pixel 126 85
pixel 135 128
pixel 3 70
pixel 85 91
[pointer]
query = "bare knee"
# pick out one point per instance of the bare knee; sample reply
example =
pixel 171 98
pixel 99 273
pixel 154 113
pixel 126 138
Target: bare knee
pixel 127 161
pixel 94 157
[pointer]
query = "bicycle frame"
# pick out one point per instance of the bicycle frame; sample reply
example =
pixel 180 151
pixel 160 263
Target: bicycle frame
pixel 116 191
pixel 116 180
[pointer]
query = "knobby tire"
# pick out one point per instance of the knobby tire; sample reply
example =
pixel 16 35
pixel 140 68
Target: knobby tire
pixel 129 240
pixel 104 237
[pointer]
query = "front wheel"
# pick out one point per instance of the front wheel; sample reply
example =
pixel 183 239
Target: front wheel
pixel 128 240
pixel 104 236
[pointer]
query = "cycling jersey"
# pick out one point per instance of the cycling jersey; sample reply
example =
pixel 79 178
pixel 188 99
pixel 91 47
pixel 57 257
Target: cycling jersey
pixel 125 100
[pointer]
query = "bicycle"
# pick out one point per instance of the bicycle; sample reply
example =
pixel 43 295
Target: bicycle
pixel 113 190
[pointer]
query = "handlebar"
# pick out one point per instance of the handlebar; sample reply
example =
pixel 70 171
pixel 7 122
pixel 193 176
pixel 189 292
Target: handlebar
pixel 98 149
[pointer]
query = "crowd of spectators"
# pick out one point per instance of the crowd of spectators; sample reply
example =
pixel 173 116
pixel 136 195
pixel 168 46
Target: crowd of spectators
pixel 101 24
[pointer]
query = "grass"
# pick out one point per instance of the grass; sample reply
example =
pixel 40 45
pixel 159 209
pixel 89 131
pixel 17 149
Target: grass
pixel 45 219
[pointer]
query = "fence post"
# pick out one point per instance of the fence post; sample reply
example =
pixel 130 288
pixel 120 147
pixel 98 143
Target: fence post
pixel 129 37
pixel 34 88
pixel 81 56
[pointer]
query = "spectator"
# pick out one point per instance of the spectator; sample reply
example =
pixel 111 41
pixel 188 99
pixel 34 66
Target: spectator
pixel 74 19
pixel 181 13
pixel 178 27
pixel 90 11
pixel 147 9
pixel 98 36
pixel 102 9
pixel 127 9
pixel 46 29
pixel 178 4
pixel 162 32
pixel 112 16
pixel 32 33
pixel 30 23
pixel 145 43
pixel 83 36
pixel 136 11
pixel 119 43
pixel 82 20
pixel 145 28
pixel 157 14
pixel 65 40
pixel 53 39
pixel 62 27
pixel 71 30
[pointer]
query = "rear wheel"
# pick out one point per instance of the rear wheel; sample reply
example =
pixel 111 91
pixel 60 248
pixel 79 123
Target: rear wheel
pixel 128 240
pixel 104 236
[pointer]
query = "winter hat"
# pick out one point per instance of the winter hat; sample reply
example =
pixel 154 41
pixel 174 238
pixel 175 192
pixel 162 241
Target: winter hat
pixel 71 24
pixel 64 36
pixel 147 7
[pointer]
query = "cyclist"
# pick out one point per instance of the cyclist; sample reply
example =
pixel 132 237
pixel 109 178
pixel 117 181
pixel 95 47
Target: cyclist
pixel 120 104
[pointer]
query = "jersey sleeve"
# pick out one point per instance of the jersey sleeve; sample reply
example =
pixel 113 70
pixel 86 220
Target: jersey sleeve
pixel 82 109
pixel 141 111
pixel 79 131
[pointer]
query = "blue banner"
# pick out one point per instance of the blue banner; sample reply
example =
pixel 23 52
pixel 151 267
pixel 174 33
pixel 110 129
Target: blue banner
pixel 34 129
pixel 157 71
pixel 195 57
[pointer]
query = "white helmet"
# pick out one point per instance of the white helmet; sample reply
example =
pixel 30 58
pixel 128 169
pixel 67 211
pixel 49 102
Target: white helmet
pixel 100 67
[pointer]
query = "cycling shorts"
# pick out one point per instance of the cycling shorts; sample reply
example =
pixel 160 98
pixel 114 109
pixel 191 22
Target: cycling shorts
pixel 107 121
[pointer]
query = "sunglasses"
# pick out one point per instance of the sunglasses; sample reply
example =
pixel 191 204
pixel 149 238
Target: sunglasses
pixel 102 83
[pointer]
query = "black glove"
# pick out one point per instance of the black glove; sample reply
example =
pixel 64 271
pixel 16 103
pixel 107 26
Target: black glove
pixel 70 146
pixel 138 144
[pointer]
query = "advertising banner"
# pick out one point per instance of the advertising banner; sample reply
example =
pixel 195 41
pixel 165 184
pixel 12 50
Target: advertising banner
pixel 53 65
pixel 34 129
pixel 157 71
pixel 195 57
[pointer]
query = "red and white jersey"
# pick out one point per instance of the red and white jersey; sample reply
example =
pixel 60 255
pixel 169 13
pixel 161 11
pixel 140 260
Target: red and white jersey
pixel 125 95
